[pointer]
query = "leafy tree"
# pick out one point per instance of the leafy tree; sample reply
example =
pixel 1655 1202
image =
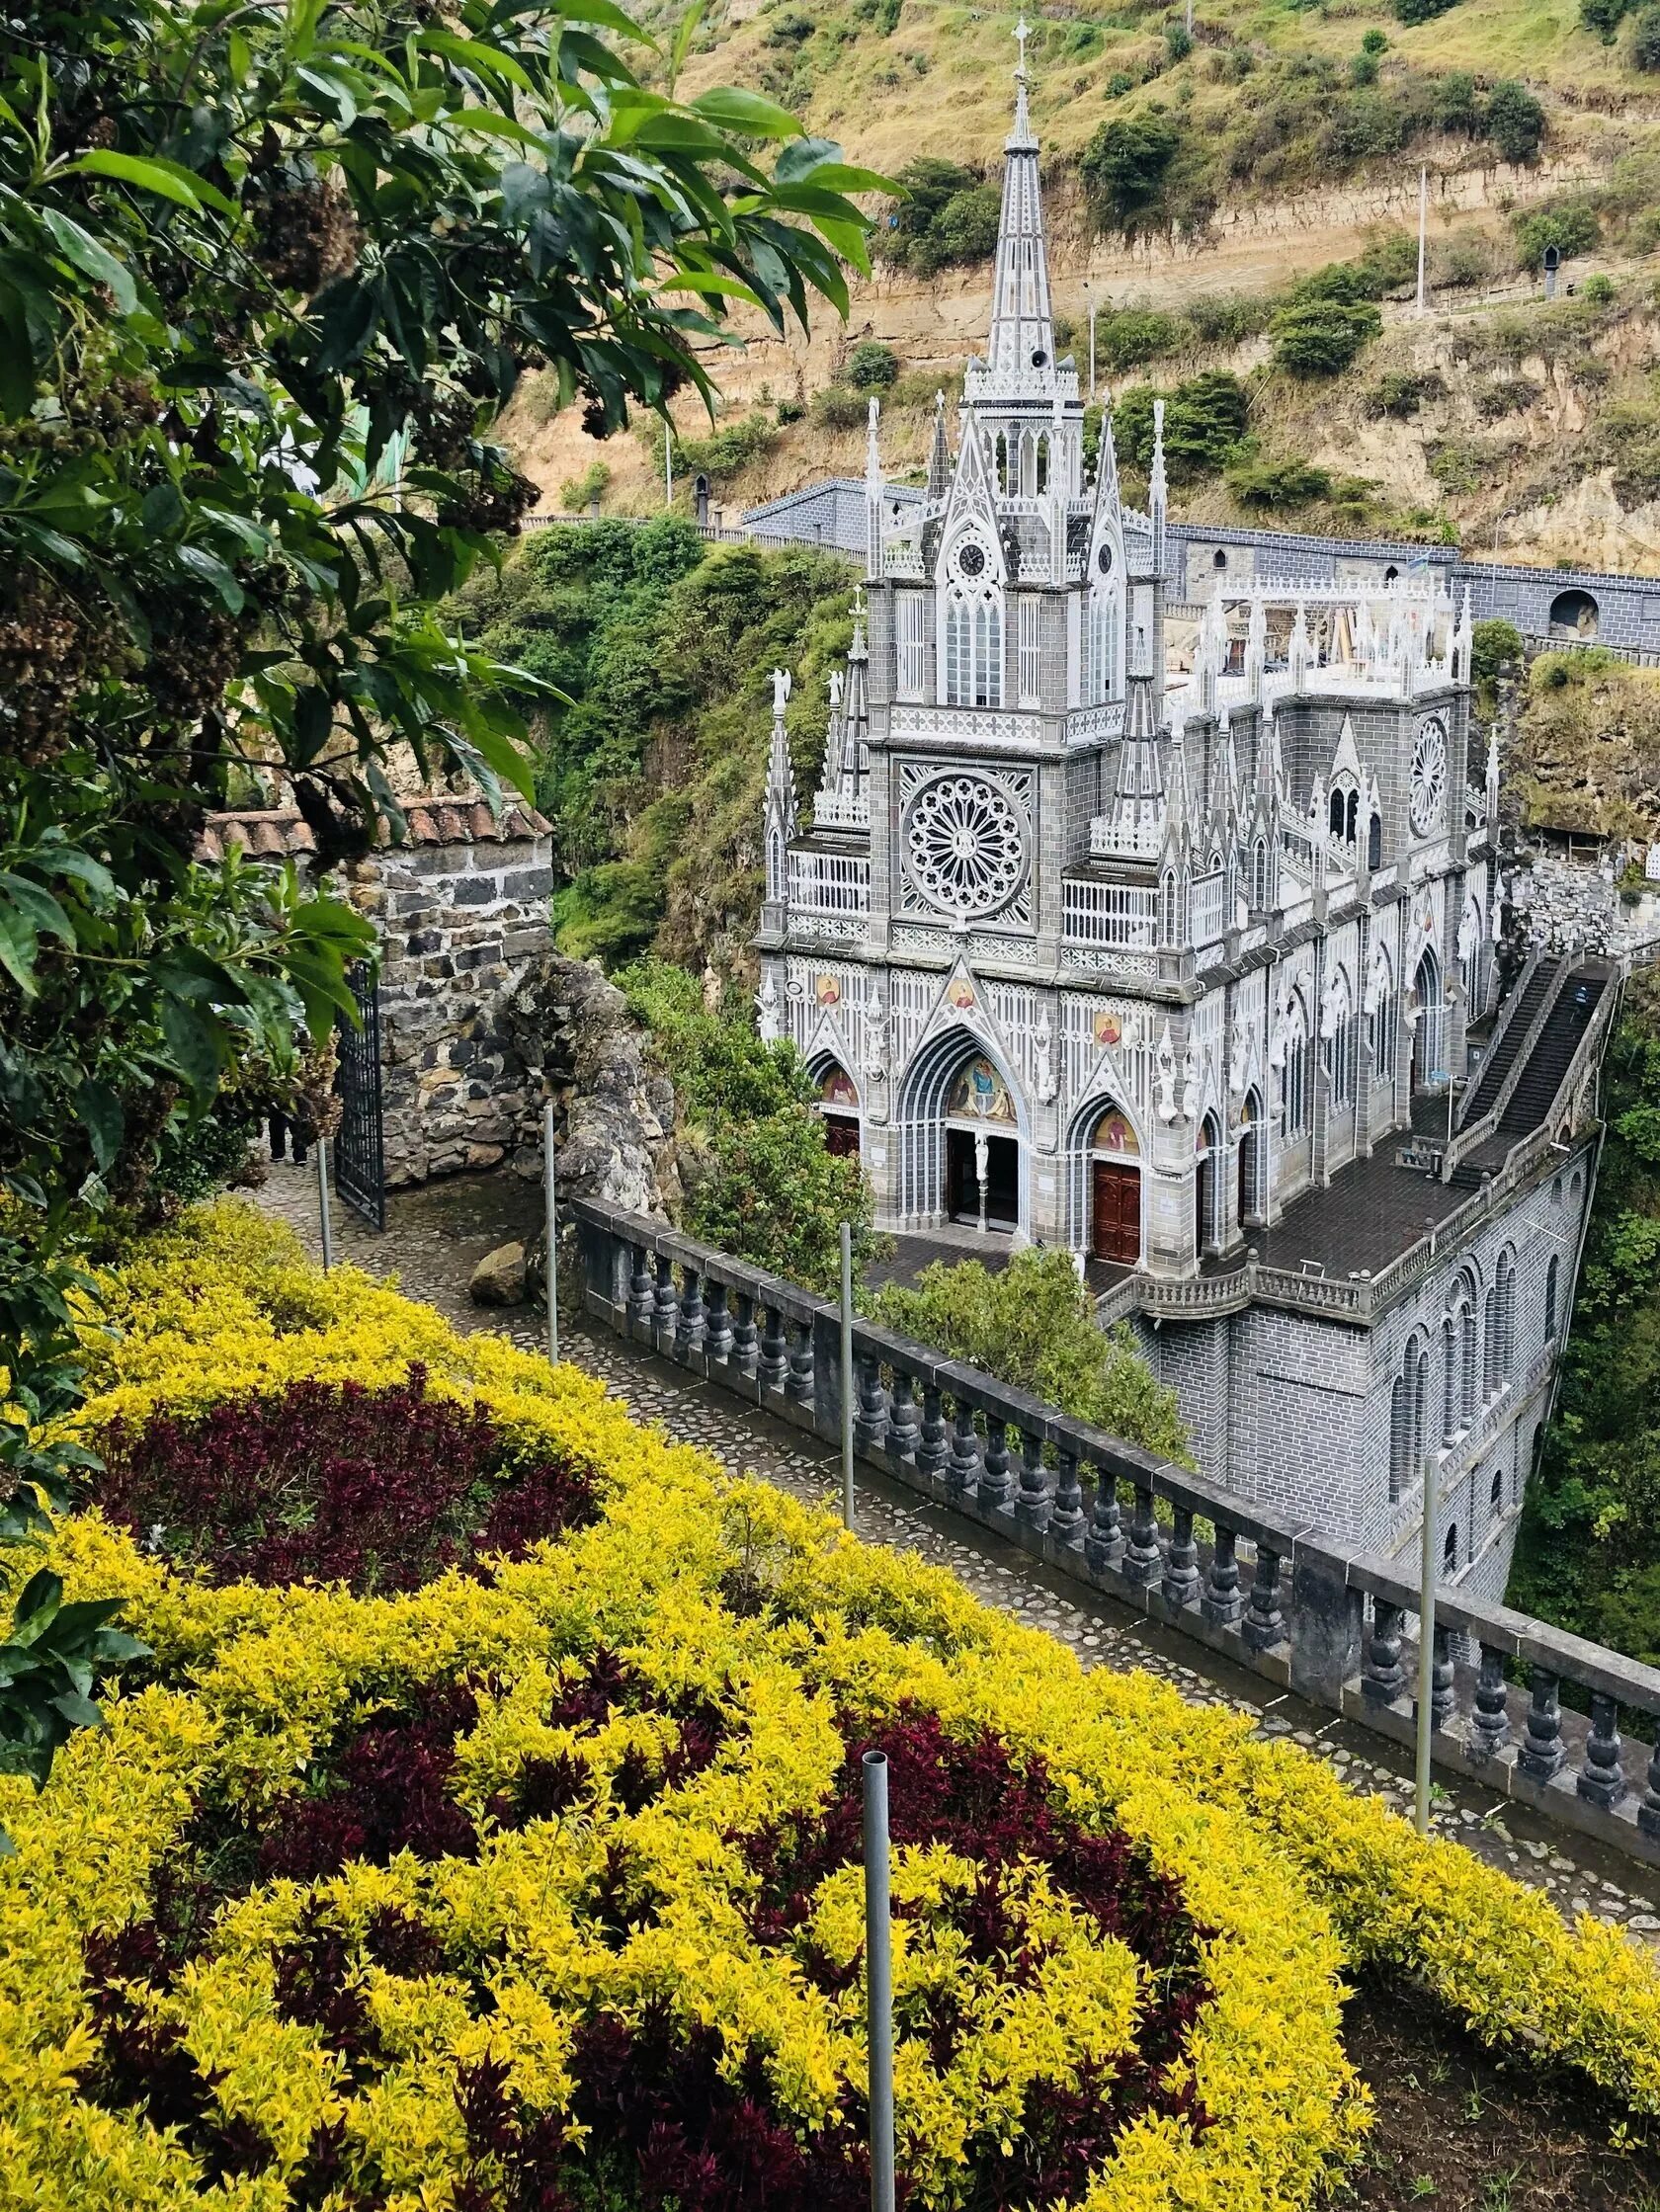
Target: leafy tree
pixel 1204 418
pixel 871 367
pixel 965 231
pixel 1454 106
pixel 1032 1324
pixel 762 1184
pixel 1321 337
pixel 1514 121
pixel 1572 226
pixel 947 214
pixel 1277 483
pixel 1494 646
pixel 1123 169
pixel 267 277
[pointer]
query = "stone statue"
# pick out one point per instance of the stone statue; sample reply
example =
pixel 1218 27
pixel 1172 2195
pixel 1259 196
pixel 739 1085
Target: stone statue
pixel 1164 1076
pixel 781 692
pixel 1189 1084
pixel 767 1006
pixel 1045 1060
pixel 875 1038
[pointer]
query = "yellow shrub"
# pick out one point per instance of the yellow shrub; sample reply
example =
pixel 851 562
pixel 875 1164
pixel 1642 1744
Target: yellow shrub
pixel 1289 1878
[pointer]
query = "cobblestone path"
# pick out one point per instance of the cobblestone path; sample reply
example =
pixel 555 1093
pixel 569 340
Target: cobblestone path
pixel 435 1235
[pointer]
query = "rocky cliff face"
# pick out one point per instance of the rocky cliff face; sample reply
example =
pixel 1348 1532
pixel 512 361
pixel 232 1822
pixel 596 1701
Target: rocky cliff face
pixel 614 1112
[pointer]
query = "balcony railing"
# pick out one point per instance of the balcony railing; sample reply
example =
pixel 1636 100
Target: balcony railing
pixel 1108 914
pixel 829 884
pixel 1277 1597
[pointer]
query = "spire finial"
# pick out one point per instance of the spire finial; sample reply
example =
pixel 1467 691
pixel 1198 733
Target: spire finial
pixel 1022 34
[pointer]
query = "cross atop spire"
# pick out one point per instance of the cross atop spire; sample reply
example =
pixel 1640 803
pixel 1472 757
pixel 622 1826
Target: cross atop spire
pixel 1020 355
pixel 1020 135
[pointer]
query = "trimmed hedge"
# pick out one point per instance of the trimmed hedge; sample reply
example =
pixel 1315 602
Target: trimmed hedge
pixel 545 1875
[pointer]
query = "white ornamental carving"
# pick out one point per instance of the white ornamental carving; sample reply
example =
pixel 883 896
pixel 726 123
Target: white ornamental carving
pixel 966 844
pixel 1429 775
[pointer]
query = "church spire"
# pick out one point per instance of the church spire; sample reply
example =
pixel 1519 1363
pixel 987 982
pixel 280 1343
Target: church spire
pixel 1021 355
pixel 939 457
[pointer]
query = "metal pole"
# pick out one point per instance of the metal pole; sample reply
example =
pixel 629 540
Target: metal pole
pixel 553 1231
pixel 1426 1651
pixel 1423 226
pixel 878 1967
pixel 847 1383
pixel 324 1224
pixel 668 463
pixel 1088 309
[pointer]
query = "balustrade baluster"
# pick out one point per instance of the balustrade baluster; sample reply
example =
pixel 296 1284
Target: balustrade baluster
pixel 1441 1692
pixel 775 1351
pixel 1066 1517
pixel 870 1414
pixel 903 1425
pixel 1490 1723
pixel 1542 1755
pixel 1104 1546
pixel 1181 1571
pixel 665 1304
pixel 1034 1505
pixel 1382 1674
pixel 719 1342
pixel 642 1291
pixel 1264 1626
pixel 689 1338
pixel 799 1385
pixel 1143 1562
pixel 964 1470
pixel 746 1342
pixel 1221 1603
pixel 1602 1779
pixel 997 1484
pixel 1648 1811
pixel 933 1445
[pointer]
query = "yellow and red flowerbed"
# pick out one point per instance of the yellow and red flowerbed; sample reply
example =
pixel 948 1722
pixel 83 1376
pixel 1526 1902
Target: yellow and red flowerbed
pixel 535 1885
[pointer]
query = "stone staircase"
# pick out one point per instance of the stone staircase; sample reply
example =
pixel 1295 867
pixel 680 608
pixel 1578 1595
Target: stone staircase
pixel 1490 1082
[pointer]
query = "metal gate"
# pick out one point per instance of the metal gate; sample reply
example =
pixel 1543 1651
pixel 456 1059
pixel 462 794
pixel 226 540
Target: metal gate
pixel 359 1150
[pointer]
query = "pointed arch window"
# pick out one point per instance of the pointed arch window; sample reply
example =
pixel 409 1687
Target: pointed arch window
pixel 1031 657
pixel 1294 1088
pixel 973 646
pixel 1259 875
pixel 910 627
pixel 1100 644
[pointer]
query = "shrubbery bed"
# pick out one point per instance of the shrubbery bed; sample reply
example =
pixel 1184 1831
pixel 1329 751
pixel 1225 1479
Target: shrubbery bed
pixel 536 1885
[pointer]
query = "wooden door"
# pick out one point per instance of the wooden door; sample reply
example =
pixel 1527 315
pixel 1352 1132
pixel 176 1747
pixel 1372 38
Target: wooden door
pixel 1115 1212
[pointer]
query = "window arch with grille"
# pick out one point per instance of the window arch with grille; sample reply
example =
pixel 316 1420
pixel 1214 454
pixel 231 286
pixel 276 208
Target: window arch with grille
pixel 1294 1119
pixel 973 645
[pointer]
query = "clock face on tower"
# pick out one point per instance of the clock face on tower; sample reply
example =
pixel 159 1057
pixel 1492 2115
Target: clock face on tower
pixel 1428 794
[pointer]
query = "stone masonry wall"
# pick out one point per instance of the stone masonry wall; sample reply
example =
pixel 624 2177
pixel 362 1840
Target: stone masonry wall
pixel 456 923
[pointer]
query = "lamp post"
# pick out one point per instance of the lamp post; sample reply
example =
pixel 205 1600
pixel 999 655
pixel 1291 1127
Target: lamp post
pixel 550 1206
pixel 324 1224
pixel 878 1978
pixel 847 1376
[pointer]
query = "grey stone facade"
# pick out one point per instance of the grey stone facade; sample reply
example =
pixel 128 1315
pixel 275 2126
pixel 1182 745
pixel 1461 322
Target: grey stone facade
pixel 460 908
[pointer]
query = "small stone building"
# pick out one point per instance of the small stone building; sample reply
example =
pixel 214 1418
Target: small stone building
pixel 462 907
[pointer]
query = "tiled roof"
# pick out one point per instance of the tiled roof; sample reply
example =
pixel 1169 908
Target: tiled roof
pixel 434 817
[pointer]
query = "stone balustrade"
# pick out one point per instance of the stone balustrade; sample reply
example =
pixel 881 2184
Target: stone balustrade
pixel 1272 1597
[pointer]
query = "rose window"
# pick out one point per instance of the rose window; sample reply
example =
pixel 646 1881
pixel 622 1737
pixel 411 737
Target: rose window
pixel 1429 778
pixel 967 844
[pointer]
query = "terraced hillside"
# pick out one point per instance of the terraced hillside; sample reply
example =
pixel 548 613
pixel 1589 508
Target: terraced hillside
pixel 1198 187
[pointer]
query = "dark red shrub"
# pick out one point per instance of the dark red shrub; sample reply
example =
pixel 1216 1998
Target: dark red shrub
pixel 323 1482
pixel 383 1790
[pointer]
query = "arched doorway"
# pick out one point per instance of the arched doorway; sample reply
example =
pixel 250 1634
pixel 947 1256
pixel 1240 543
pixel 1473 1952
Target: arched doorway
pixel 1428 1029
pixel 1114 1190
pixel 837 1105
pixel 982 1148
pixel 1207 1187
pixel 1573 614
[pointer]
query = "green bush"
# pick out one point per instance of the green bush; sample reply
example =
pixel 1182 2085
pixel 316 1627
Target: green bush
pixel 1453 105
pixel 1421 11
pixel 966 229
pixel 949 215
pixel 1204 419
pixel 1363 70
pixel 1277 483
pixel 1124 170
pixel 837 408
pixel 726 449
pixel 1572 226
pixel 1375 41
pixel 1227 319
pixel 1320 337
pixel 761 1182
pixel 1494 646
pixel 1399 393
pixel 1033 1325
pixel 1603 17
pixel 1126 337
pixel 1599 289
pixel 1178 39
pixel 1514 121
pixel 1645 42
pixel 578 492
pixel 871 367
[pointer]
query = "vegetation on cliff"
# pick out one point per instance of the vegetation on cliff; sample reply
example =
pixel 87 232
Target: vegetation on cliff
pixel 1588 1556
pixel 653 775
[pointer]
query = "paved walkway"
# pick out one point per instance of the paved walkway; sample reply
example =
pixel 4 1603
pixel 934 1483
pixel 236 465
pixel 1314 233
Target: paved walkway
pixel 435 1235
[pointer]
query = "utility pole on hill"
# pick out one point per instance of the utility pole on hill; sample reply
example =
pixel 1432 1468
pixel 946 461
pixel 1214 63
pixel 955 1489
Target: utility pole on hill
pixel 1423 228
